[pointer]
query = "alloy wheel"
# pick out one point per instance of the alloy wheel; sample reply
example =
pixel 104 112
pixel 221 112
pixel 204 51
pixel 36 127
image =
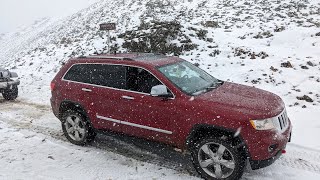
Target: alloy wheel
pixel 216 160
pixel 75 127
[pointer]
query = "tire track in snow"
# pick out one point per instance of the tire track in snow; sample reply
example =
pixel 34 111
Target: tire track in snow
pixel 139 149
pixel 146 151
pixel 300 158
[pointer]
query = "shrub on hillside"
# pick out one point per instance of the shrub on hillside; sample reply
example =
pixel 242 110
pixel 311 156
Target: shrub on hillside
pixel 158 37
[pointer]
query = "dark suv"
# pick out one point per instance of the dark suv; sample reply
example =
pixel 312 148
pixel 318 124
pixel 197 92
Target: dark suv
pixel 166 99
pixel 9 84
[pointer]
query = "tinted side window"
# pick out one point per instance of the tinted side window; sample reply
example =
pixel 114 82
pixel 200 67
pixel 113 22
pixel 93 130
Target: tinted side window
pixel 76 73
pixel 140 80
pixel 98 74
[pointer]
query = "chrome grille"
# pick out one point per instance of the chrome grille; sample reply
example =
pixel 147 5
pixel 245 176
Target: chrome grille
pixel 282 121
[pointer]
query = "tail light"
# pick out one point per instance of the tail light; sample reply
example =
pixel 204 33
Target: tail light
pixel 52 86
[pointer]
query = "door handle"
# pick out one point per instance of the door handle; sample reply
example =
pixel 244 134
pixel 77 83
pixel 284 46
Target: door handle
pixel 127 97
pixel 86 90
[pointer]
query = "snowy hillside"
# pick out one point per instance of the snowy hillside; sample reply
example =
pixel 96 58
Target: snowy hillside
pixel 270 44
pixel 251 39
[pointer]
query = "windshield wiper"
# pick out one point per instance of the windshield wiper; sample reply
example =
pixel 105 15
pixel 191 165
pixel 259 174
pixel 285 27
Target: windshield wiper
pixel 214 85
pixel 220 82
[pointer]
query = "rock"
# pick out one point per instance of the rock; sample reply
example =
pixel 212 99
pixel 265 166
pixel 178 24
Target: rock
pixel 212 46
pixel 263 55
pixel 210 40
pixel 50 157
pixel 305 98
pixel 258 36
pixel 318 34
pixel 196 64
pixel 215 53
pixel 262 35
pixel 212 24
pixel 279 29
pixel 286 64
pixel 304 67
pixel 310 63
pixel 304 106
pixel 202 34
pixel 273 69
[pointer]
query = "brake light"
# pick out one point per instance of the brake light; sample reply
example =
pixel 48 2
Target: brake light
pixel 52 86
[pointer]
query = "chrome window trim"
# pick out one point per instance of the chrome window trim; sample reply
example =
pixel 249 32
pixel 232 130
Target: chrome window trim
pixel 174 96
pixel 134 124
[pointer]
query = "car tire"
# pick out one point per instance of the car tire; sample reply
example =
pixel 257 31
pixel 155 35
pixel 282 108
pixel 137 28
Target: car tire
pixel 215 158
pixel 77 128
pixel 10 94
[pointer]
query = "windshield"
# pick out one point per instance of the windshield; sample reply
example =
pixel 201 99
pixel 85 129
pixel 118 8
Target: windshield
pixel 189 78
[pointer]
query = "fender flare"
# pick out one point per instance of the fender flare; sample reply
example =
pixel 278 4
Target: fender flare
pixel 196 128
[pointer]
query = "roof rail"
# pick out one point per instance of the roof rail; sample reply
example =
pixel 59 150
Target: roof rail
pixel 107 57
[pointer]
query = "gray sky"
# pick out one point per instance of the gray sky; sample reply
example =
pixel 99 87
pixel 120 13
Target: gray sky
pixel 16 13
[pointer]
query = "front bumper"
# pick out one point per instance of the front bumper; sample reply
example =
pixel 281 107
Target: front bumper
pixel 8 84
pixel 257 164
pixel 260 143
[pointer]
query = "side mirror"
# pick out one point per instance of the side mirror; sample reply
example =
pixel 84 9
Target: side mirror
pixel 5 74
pixel 160 91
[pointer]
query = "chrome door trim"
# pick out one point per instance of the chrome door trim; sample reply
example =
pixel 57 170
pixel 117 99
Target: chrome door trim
pixel 127 97
pixel 109 119
pixel 134 125
pixel 86 90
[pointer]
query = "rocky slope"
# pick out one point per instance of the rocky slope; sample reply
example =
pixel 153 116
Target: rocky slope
pixel 269 44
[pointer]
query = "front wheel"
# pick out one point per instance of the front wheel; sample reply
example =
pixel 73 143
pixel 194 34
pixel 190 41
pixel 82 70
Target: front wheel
pixel 11 93
pixel 76 128
pixel 215 159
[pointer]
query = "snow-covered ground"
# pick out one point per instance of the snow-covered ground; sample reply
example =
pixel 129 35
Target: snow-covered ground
pixel 33 147
pixel 26 154
pixel 31 142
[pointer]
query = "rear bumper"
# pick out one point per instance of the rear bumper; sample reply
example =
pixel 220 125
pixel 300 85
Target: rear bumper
pixel 4 85
pixel 55 107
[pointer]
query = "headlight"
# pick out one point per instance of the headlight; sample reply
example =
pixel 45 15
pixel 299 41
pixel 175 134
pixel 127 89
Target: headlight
pixel 265 124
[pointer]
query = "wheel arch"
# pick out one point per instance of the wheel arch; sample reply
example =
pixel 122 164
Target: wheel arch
pixel 78 108
pixel 71 105
pixel 204 130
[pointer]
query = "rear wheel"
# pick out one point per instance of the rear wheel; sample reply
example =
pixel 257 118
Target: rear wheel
pixel 76 128
pixel 215 158
pixel 11 93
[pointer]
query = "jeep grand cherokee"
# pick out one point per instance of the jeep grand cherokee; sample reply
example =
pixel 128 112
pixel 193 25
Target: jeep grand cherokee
pixel 169 100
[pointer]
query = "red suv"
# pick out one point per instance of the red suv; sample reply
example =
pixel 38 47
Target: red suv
pixel 166 99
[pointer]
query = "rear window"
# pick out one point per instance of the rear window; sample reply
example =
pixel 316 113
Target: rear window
pixel 98 74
